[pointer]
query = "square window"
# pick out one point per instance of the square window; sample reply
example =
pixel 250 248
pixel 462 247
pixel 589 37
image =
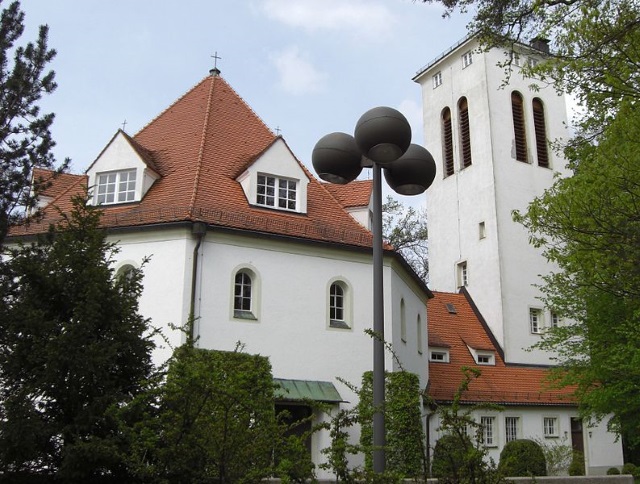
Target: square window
pixel 116 187
pixel 437 79
pixel 284 197
pixel 535 320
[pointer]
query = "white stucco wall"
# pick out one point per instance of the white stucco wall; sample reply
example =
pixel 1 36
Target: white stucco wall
pixel 600 450
pixel 502 267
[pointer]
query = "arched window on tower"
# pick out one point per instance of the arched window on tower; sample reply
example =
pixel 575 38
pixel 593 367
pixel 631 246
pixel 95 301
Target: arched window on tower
pixel 465 136
pixel 447 142
pixel 541 133
pixel 517 109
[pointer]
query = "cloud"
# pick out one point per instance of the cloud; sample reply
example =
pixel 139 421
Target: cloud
pixel 358 18
pixel 297 74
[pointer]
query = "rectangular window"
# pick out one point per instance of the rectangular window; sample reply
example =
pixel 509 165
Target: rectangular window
pixel 441 356
pixel 488 431
pixel 535 320
pixel 116 187
pixel 463 275
pixel 511 425
pixel 550 426
pixel 285 197
pixel 485 359
pixel 515 59
pixel 482 231
pixel 467 59
pixel 437 79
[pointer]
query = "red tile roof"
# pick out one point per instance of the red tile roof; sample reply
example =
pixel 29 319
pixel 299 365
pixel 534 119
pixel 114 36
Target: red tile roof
pixel 503 383
pixel 199 145
pixel 55 184
pixel 354 194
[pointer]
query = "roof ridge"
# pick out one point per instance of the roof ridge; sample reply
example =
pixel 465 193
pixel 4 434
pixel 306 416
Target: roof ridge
pixel 168 108
pixel 203 140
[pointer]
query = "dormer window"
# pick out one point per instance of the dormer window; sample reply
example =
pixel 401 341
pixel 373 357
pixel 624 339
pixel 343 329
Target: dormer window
pixel 116 187
pixel 440 355
pixel 277 192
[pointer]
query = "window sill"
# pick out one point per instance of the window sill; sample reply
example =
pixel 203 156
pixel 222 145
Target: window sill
pixel 246 315
pixel 337 324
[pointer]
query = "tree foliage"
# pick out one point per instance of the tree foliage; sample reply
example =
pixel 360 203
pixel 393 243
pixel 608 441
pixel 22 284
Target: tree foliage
pixel 405 228
pixel 72 348
pixel 589 225
pixel 522 458
pixel 25 137
pixel 212 420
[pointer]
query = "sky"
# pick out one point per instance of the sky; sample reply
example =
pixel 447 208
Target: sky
pixel 306 67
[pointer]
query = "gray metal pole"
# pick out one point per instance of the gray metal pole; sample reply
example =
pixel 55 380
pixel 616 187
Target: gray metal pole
pixel 379 439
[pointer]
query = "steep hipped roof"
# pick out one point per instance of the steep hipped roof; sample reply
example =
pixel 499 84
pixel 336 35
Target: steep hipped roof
pixel 199 145
pixel 503 384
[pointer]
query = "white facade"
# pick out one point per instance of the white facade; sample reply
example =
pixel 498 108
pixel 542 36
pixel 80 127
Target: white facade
pixel 601 451
pixel 470 211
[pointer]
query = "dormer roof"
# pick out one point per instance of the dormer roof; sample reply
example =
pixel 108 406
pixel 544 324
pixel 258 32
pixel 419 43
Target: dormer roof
pixel 502 383
pixel 198 146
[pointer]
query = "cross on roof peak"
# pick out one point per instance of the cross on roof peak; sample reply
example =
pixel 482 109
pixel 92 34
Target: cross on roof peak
pixel 215 71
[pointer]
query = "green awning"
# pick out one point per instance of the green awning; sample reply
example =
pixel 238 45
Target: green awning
pixel 319 391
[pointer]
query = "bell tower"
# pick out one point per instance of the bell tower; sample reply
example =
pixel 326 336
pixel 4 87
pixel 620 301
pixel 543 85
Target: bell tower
pixel 491 138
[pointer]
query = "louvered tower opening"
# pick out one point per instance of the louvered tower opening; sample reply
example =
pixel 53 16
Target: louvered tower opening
pixel 465 137
pixel 541 133
pixel 517 107
pixel 447 140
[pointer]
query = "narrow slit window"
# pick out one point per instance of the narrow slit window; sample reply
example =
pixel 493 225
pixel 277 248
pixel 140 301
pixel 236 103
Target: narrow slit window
pixel 465 136
pixel 517 108
pixel 447 142
pixel 541 133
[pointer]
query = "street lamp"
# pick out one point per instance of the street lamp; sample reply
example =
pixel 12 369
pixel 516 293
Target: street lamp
pixel 381 140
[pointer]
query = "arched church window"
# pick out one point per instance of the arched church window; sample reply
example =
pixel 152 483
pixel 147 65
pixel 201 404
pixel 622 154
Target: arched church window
pixel 447 142
pixel 517 109
pixel 541 133
pixel 465 135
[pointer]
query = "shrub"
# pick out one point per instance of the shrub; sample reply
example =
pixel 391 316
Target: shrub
pixel 613 471
pixel 449 456
pixel 522 458
pixel 576 468
pixel 632 469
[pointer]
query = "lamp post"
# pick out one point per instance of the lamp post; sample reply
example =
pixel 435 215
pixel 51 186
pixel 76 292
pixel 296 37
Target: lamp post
pixel 381 141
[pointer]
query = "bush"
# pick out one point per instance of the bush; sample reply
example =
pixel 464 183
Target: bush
pixel 632 469
pixel 449 456
pixel 522 458
pixel 613 471
pixel 576 468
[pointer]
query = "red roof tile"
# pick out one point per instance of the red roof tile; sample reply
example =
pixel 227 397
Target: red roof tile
pixel 199 145
pixel 355 194
pixel 502 383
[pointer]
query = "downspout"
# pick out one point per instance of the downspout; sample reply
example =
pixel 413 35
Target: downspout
pixel 198 229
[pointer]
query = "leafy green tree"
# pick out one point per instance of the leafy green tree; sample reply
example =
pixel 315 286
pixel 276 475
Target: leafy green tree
pixel 405 228
pixel 589 226
pixel 522 458
pixel 213 420
pixel 25 137
pixel 72 348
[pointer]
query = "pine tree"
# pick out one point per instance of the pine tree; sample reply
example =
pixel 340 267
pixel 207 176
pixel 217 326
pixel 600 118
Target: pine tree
pixel 25 137
pixel 73 349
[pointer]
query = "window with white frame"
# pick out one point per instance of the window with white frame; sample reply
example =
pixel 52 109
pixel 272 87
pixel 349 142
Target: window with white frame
pixel 242 302
pixel 488 425
pixel 550 427
pixel 485 359
pixel 555 320
pixel 437 79
pixel 115 187
pixel 439 355
pixel 467 59
pixel 463 274
pixel 337 305
pixel 535 320
pixel 515 58
pixel 511 431
pixel 276 192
